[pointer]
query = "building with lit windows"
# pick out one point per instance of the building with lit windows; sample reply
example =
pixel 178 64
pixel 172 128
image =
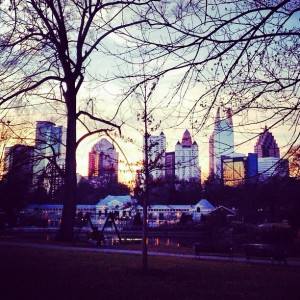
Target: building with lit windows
pixel 156 156
pixel 18 162
pixel 266 145
pixel 236 170
pixel 120 206
pixel 49 154
pixel 269 162
pixel 167 214
pixel 170 167
pixel 272 166
pixel 187 160
pixel 103 162
pixel 54 178
pixel 125 208
pixel 221 141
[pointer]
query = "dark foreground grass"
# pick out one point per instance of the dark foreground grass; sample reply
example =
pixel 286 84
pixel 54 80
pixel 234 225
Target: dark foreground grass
pixel 56 274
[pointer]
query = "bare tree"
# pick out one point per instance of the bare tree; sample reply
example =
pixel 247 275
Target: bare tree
pixel 46 49
pixel 145 115
pixel 141 110
pixel 238 54
pixel 242 54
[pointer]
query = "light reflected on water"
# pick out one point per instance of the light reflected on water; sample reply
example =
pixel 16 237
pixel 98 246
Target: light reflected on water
pixel 155 241
pixel 158 241
pixel 112 239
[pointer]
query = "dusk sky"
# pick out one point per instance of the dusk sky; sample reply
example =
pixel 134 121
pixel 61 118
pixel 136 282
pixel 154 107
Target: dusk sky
pixel 220 77
pixel 170 109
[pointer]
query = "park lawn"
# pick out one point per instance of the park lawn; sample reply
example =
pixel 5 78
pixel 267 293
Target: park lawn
pixel 29 273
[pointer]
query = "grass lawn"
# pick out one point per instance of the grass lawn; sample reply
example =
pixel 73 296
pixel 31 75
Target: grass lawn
pixel 57 274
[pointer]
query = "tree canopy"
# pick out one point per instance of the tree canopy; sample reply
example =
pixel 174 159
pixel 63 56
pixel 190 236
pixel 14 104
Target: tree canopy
pixel 241 54
pixel 45 55
pixel 238 54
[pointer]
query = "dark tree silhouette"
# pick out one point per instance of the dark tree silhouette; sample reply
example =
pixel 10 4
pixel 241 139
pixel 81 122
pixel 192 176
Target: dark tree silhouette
pixel 242 54
pixel 89 192
pixel 17 179
pixel 45 51
pixel 238 54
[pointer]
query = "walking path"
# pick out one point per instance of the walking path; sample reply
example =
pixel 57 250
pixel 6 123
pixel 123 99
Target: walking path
pixel 135 252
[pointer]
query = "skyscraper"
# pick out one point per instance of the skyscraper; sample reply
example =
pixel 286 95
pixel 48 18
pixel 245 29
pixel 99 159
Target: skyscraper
pixel 221 141
pixel 269 162
pixel 272 166
pixel 187 159
pixel 49 153
pixel 156 156
pixel 103 161
pixel 18 161
pixel 238 170
pixel 266 145
pixel 170 167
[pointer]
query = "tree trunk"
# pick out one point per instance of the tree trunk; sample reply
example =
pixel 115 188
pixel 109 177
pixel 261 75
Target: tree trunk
pixel 145 200
pixel 145 235
pixel 66 232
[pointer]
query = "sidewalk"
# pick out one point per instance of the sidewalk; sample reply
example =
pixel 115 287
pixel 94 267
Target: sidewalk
pixel 135 252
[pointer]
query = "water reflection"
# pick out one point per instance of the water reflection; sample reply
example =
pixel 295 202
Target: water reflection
pixel 152 241
pixel 171 241
pixel 156 241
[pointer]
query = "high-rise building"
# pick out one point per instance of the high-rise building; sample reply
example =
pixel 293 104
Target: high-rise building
pixel 266 145
pixel 272 166
pixel 156 156
pixel 187 159
pixel 170 167
pixel 221 141
pixel 49 153
pixel 18 161
pixel 54 179
pixel 269 162
pixel 103 161
pixel 236 170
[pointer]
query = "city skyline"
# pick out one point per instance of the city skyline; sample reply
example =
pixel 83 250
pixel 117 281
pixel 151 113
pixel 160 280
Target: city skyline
pixel 244 142
pixel 216 73
pixel 244 145
pixel 167 144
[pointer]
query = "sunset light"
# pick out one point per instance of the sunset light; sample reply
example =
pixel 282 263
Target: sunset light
pixel 149 149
